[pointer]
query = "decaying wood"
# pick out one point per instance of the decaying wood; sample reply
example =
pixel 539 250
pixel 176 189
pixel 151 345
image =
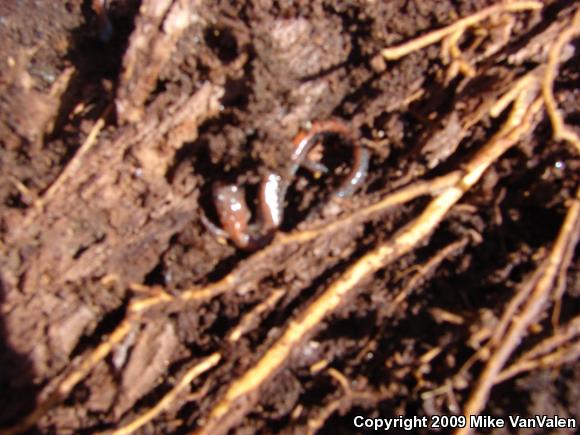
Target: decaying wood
pixel 59 240
pixel 158 28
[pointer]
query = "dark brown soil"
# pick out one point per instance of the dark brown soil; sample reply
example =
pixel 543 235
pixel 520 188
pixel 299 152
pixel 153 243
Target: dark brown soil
pixel 90 227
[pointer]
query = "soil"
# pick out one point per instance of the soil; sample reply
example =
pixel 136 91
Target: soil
pixel 110 145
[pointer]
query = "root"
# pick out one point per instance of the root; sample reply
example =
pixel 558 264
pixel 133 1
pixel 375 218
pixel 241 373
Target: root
pixel 240 274
pixel 428 268
pixel 345 400
pixel 560 130
pixel 55 395
pixel 535 304
pixel 553 351
pixel 316 423
pixel 76 163
pixel 204 365
pixel 252 318
pixel 394 53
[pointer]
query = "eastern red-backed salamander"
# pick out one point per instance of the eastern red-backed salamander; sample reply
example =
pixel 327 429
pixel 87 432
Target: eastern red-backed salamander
pixel 104 24
pixel 234 215
pixel 305 139
pixel 230 202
